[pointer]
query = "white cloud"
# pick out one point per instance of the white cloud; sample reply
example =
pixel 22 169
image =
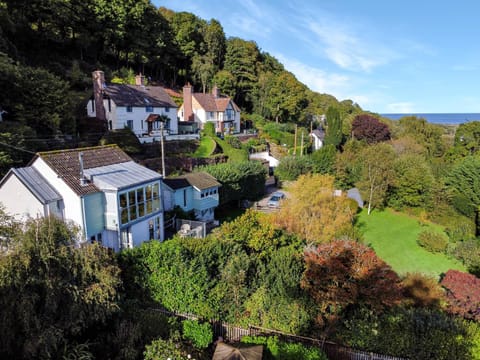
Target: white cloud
pixel 338 85
pixel 340 44
pixel 400 108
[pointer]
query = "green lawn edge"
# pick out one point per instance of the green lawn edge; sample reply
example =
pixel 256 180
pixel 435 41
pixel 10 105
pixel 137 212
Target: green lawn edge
pixel 393 236
pixel 206 147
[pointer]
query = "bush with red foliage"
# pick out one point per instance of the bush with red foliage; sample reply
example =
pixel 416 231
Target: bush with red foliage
pixel 463 294
pixel 368 128
pixel 344 274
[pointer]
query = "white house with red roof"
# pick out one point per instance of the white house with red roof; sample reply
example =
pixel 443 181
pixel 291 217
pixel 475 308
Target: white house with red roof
pixel 142 108
pixel 112 199
pixel 201 108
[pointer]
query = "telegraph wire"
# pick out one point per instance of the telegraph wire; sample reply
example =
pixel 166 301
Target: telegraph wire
pixel 17 148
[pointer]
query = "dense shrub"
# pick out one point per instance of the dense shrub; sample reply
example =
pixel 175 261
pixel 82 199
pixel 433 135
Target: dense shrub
pixel 324 159
pixel 423 291
pixel 432 241
pixel 291 167
pixel 414 333
pixel 280 133
pixel 275 349
pixel 172 348
pixel 459 228
pixel 201 335
pixel 243 180
pixel 463 294
pixel 233 142
pixel 469 253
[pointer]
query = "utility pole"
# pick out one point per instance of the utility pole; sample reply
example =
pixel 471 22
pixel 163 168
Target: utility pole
pixel 163 152
pixel 295 142
pixel 301 146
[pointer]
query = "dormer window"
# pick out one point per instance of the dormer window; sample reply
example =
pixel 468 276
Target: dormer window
pixel 129 108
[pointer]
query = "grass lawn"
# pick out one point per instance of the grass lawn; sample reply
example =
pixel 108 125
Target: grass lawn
pixel 206 147
pixel 393 236
pixel 234 155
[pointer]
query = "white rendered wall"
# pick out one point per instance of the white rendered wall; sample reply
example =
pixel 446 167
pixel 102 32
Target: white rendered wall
pixel 72 203
pixel 19 201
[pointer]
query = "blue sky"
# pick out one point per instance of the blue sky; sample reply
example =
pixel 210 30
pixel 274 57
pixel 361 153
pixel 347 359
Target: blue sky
pixel 388 56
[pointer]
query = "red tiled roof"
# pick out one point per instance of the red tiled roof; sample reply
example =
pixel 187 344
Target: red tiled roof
pixel 209 103
pixel 66 163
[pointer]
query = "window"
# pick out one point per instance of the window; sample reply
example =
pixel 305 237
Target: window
pixel 129 108
pixel 184 198
pixel 230 114
pixel 139 202
pixel 148 108
pixel 167 109
pixel 130 124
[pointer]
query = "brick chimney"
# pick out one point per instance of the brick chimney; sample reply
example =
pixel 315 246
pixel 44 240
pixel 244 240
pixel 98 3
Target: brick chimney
pixel 215 92
pixel 139 80
pixel 98 85
pixel 187 103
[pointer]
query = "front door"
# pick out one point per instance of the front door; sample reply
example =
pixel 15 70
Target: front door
pixel 126 239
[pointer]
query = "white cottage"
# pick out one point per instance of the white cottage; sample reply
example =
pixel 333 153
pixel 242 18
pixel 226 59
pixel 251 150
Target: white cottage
pixel 142 108
pixel 200 108
pixel 113 200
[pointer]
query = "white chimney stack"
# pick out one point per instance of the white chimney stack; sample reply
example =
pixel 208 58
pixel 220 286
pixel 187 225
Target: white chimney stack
pixel 83 179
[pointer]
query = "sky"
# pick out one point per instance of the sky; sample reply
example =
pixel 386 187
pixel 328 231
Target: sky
pixel 405 56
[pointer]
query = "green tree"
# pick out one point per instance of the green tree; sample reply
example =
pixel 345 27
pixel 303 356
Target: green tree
pixel 426 134
pixel 291 167
pixel 333 135
pixel 377 173
pixel 412 184
pixel 215 41
pixel 467 137
pixel 53 294
pixel 313 212
pixel 324 159
pixel 241 60
pixel 464 183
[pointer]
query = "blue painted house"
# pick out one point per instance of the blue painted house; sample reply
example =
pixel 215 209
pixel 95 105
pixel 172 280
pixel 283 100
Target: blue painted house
pixel 112 199
pixel 196 191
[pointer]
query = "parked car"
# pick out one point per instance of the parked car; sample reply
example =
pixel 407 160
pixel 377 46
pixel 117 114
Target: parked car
pixel 274 201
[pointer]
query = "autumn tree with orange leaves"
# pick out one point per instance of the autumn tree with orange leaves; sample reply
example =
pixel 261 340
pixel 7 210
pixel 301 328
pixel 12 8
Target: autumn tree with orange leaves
pixel 343 275
pixel 314 212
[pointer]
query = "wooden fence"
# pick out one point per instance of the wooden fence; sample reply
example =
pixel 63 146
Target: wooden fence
pixel 233 333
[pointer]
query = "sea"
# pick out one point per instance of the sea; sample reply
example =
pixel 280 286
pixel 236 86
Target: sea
pixel 437 118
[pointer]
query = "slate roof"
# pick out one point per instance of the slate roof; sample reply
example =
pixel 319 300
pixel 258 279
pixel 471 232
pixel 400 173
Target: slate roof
pixel 66 163
pixel 319 133
pixel 176 183
pixel 36 183
pixel 199 180
pixel 139 96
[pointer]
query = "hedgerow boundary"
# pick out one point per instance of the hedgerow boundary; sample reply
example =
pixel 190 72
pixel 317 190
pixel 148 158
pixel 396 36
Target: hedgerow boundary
pixel 232 333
